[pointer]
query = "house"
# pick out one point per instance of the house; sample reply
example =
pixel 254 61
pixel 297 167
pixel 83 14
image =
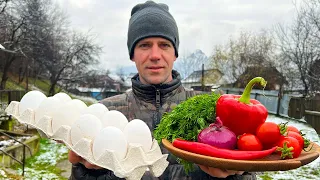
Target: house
pixel 120 82
pixel 101 86
pixel 275 80
pixel 213 78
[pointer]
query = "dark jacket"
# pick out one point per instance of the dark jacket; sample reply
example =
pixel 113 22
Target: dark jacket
pixel 148 103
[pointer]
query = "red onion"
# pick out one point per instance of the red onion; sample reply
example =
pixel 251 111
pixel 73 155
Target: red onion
pixel 218 135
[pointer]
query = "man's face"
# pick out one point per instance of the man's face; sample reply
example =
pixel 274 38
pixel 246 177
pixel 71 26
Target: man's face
pixel 154 58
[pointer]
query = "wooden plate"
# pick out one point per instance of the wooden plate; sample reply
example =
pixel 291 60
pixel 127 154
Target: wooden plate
pixel 269 163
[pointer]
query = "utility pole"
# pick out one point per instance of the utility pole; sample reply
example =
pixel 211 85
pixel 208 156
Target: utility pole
pixel 202 78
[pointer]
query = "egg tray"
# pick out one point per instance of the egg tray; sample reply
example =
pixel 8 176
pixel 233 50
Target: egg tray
pixel 132 167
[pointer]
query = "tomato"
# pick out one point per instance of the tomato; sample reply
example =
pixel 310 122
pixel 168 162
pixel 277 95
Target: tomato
pixel 297 136
pixel 292 128
pixel 289 147
pixel 249 142
pixel 269 134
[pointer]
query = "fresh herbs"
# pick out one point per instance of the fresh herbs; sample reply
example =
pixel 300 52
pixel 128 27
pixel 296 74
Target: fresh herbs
pixel 186 120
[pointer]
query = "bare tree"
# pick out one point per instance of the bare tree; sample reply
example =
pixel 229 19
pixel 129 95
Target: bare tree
pixel 39 31
pixel 184 66
pixel 71 58
pixel 21 26
pixel 11 36
pixel 249 49
pixel 120 73
pixel 189 62
pixel 313 14
pixel 53 51
pixel 40 24
pixel 3 5
pixel 299 44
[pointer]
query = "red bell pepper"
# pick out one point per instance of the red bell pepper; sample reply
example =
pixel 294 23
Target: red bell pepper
pixel 207 150
pixel 240 113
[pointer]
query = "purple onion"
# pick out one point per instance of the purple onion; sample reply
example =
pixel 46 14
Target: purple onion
pixel 218 135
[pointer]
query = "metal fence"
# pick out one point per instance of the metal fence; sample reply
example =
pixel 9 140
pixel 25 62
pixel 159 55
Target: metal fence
pixel 287 104
pixel 6 96
pixel 277 103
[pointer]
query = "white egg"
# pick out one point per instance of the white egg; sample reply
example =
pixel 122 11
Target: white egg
pixel 96 109
pixel 87 126
pixel 114 118
pixel 47 107
pixel 111 139
pixel 138 133
pixel 67 113
pixel 63 97
pixel 31 100
pixel 80 104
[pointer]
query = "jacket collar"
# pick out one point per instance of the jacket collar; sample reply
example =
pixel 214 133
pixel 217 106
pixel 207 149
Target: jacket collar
pixel 148 92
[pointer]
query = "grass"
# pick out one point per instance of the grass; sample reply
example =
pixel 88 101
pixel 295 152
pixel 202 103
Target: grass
pixel 14 84
pixel 43 84
pixel 11 84
pixel 266 177
pixel 43 164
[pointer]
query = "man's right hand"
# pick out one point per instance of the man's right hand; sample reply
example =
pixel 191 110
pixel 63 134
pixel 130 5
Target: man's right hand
pixel 75 158
pixel 219 173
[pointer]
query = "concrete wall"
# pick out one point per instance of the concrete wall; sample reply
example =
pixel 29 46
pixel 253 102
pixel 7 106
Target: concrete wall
pixel 17 151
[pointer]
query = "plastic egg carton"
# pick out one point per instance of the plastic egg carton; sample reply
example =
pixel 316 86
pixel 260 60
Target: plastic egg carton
pixel 132 167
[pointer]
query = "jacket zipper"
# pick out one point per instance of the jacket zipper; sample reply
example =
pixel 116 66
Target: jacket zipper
pixel 158 106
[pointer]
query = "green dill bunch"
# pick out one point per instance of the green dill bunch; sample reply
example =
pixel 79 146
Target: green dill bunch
pixel 188 118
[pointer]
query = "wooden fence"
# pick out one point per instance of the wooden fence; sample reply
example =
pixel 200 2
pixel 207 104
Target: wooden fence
pixel 6 96
pixel 307 108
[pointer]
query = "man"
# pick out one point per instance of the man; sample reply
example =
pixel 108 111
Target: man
pixel 153 42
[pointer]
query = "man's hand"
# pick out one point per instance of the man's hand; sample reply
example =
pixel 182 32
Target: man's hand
pixel 219 173
pixel 74 159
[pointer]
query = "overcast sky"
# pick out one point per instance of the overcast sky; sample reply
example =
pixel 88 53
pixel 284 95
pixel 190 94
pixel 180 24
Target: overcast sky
pixel 202 24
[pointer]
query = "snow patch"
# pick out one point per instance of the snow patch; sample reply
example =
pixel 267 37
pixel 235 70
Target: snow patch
pixel 307 172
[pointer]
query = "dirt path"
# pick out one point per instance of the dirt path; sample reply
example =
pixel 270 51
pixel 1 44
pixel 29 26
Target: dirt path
pixel 65 166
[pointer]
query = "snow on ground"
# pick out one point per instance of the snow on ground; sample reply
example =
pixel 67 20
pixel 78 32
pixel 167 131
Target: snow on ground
pixel 36 174
pixel 307 172
pixel 10 142
pixel 3 173
pixel 51 153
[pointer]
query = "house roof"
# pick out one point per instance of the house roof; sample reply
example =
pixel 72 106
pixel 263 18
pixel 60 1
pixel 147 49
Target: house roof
pixel 270 74
pixel 196 76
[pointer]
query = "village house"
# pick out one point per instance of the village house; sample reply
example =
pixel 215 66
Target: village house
pixel 275 80
pixel 103 86
pixel 213 78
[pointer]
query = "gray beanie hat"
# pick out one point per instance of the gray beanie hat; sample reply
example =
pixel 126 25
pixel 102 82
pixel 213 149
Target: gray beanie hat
pixel 151 19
